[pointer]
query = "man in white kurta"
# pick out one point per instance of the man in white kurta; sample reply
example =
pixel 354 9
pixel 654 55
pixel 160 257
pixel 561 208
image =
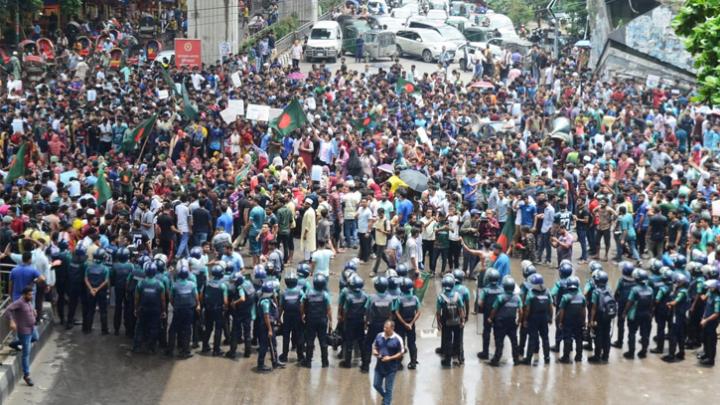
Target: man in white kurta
pixel 308 230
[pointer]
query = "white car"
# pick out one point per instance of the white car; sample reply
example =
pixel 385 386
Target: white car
pixel 449 33
pixel 437 15
pixel 426 44
pixel 386 23
pixel 405 11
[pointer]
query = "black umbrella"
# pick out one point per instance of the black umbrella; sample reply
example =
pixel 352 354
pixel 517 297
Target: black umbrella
pixel 416 180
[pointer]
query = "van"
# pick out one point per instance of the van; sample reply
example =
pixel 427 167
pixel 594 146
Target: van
pixel 324 41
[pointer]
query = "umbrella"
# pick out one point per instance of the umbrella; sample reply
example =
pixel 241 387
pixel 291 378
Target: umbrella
pixel 583 44
pixel 296 76
pixel 416 180
pixel 387 168
pixel 482 84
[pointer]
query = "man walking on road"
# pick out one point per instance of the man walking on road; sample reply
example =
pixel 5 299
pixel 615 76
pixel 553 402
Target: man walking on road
pixel 388 348
pixel 22 321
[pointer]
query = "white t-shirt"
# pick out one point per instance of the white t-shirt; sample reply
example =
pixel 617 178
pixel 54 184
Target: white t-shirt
pixel 182 212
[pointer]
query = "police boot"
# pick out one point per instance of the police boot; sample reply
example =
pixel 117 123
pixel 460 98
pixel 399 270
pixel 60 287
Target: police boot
pixel 668 358
pixel 246 353
pixel 483 355
pixel 565 359
pixel 642 353
pixel 657 350
pixel 324 356
pixel 617 344
pixel 495 362
pixel 629 355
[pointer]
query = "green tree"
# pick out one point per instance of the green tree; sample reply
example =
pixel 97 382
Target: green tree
pixel 519 11
pixel 70 8
pixel 698 21
pixel 8 9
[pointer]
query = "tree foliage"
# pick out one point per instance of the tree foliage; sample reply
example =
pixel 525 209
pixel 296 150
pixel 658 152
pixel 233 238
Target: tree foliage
pixel 519 11
pixel 698 21
pixel 70 8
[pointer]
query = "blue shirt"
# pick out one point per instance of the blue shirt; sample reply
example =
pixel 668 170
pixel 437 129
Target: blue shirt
pixel 256 217
pixel 225 221
pixel 405 209
pixel 527 214
pixel 502 265
pixel 22 276
pixel 388 346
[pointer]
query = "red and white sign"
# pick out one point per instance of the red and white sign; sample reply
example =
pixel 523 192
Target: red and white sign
pixel 188 53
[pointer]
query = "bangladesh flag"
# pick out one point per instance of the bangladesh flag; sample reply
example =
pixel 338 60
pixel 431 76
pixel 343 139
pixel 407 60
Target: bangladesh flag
pixel 17 169
pixel 364 123
pixel 189 111
pixel 508 231
pixel 102 188
pixel 292 118
pixel 133 138
pixel 405 86
pixel 169 81
pixel 421 285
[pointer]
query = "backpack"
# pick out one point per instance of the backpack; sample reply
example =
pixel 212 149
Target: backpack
pixel 450 312
pixel 607 305
pixel 197 138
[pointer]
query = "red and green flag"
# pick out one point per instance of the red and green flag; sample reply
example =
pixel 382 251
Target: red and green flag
pixel 189 111
pixel 102 189
pixel 17 169
pixel 292 118
pixel 134 137
pixel 508 231
pixel 364 123
pixel 169 81
pixel 405 86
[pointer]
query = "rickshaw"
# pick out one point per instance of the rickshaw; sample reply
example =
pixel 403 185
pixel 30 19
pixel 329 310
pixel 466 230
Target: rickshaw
pixel 147 27
pixel 72 30
pixel 28 47
pixel 83 46
pixel 46 49
pixel 379 44
pixel 100 42
pixel 34 67
pixel 152 49
pixel 133 54
pixel 116 34
pixel 116 57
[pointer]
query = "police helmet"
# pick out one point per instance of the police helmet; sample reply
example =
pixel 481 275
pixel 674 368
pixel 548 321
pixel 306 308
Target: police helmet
pixel 391 273
pixel 239 278
pixel 524 264
pixel 196 252
pixel 656 266
pixel 303 270
pixel 537 279
pixel 150 269
pixel 270 268
pixel 319 281
pixel 565 261
pixel 600 278
pixel 459 275
pixel 693 268
pixel 183 274
pixel 217 272
pixel 350 265
pixel 681 279
pixel 291 280
pixel 565 269
pixel 491 276
pixel 162 257
pixel 259 273
pixel 402 270
pixel 529 271
pixel 62 245
pixel 122 255
pixel 572 283
pixel 267 289
pixel 508 284
pixel 393 283
pixel 713 273
pixel 448 282
pixel 381 284
pixel 356 282
pixel 595 265
pixel 698 256
pixel 627 269
pixel 161 265
pixel 667 275
pixel 640 275
pixel 680 261
pixel 142 260
pixel 711 284
pixel 406 285
pixel 100 255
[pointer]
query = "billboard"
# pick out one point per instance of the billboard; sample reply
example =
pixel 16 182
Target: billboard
pixel 188 53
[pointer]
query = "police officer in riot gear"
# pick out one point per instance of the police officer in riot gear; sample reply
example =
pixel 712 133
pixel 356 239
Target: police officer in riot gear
pixel 76 286
pixel 571 319
pixel 268 314
pixel 243 307
pixel 638 310
pixel 291 318
pixel 450 316
pixel 150 306
pixel 622 292
pixel 506 309
pixel 485 298
pixel 537 315
pixel 407 312
pixel 119 273
pixel 185 300
pixel 678 305
pixel 459 275
pixel 378 310
pixel 133 279
pixel 525 286
pixel 317 316
pixel 662 292
pixel 557 292
pixel 214 303
pixel 97 280
pixel 603 309
pixel 353 315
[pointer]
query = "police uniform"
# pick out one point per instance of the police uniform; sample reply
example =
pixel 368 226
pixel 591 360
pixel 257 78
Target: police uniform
pixel 76 290
pixel 378 309
pixel 150 293
pixel 695 290
pixel 406 307
pixel 354 326
pixel 266 306
pixel 709 331
pixel 199 271
pixel 292 326
pixel 506 306
pixel 602 299
pixel 214 298
pixel 450 307
pixel 557 292
pixel 663 315
pixel 681 303
pixel 315 307
pixel 573 306
pixel 184 300
pixel 119 275
pixel 465 295
pixel 131 283
pixel 163 334
pixel 640 317
pixel 622 293
pixel 61 281
pixel 243 317
pixel 485 299
pixel 96 275
pixel 538 307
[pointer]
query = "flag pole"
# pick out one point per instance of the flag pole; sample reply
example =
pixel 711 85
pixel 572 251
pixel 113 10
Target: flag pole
pixel 142 150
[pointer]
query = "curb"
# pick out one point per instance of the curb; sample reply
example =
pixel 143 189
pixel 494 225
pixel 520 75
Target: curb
pixel 11 368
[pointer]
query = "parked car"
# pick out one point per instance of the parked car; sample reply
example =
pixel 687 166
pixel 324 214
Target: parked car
pixel 465 52
pixel 448 33
pixel 437 14
pixel 405 12
pixel 387 23
pixel 426 44
pixel 325 41
pixel 352 28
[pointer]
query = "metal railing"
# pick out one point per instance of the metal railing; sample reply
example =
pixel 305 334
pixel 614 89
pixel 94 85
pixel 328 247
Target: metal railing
pixel 284 44
pixel 5 300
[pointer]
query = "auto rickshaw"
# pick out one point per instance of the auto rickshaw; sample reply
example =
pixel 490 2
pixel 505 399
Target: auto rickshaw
pixel 379 44
pixel 147 27
pixel 46 49
pixel 152 49
pixel 83 46
pixel 28 47
pixel 116 57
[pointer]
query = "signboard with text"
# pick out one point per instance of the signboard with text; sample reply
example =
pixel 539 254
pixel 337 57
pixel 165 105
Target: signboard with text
pixel 188 53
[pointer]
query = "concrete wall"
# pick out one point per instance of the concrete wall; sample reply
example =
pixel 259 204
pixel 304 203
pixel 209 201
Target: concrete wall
pixel 618 64
pixel 214 22
pixel 304 10
pixel 599 28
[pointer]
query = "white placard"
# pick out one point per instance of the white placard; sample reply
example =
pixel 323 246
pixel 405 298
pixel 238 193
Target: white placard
pixel 178 88
pixel 652 81
pixel 236 79
pixel 274 113
pixel 17 126
pixel 310 102
pixel 716 208
pixel 316 173
pixel 91 95
pixel 237 105
pixel 229 115
pixel 257 112
pixel 422 134
pixel 163 94
pixel 224 48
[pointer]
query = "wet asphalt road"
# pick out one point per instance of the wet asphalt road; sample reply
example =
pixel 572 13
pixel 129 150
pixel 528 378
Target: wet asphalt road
pixel 74 369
